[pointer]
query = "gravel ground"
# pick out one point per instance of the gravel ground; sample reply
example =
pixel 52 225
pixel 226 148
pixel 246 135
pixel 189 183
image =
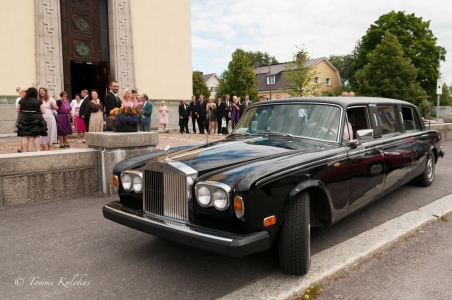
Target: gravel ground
pixel 11 144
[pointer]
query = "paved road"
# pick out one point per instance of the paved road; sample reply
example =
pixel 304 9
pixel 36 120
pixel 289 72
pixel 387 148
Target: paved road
pixel 70 238
pixel 419 268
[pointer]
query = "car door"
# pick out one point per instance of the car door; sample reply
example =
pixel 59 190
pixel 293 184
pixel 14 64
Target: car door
pixel 366 160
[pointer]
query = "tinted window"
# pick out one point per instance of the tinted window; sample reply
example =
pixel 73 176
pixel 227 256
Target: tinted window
pixel 386 118
pixel 358 118
pixel 408 118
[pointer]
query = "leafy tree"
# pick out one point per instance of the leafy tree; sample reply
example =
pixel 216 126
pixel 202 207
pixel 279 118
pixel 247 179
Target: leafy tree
pixel 263 58
pixel 239 79
pixel 445 98
pixel 418 44
pixel 343 64
pixel 389 74
pixel 299 79
pixel 199 86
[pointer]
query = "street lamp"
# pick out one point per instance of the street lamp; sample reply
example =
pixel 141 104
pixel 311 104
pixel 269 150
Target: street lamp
pixel 437 92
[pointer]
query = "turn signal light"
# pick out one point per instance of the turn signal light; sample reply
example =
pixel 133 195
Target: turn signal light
pixel 270 221
pixel 239 207
pixel 115 182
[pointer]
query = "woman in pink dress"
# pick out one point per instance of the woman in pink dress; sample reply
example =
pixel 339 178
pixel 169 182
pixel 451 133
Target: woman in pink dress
pixel 126 98
pixel 163 110
pixel 79 124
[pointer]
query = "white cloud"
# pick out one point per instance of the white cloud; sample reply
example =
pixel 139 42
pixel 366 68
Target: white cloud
pixel 325 28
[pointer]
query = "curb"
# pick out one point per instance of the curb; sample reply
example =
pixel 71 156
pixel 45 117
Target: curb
pixel 335 261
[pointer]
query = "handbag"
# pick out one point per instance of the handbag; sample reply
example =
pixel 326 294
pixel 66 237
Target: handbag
pixel 223 123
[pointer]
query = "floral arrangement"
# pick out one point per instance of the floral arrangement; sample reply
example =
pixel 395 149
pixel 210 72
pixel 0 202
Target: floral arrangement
pixel 127 115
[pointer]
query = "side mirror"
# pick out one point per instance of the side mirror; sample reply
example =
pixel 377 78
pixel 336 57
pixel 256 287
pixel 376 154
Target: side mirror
pixel 365 134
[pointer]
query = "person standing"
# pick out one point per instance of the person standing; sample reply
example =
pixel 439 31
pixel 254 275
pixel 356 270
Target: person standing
pixel 96 108
pixel 246 103
pixel 64 127
pixel 227 110
pixel 184 115
pixel 147 113
pixel 193 112
pixel 235 112
pixel 219 115
pixel 111 99
pixel 84 111
pixel 79 124
pixel 22 93
pixel 211 116
pixel 126 98
pixel 163 110
pixel 351 94
pixel 201 114
pixel 134 99
pixel 51 113
pixel 31 123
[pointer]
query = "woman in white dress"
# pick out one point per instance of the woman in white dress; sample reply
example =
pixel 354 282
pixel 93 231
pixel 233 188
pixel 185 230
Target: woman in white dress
pixel 50 106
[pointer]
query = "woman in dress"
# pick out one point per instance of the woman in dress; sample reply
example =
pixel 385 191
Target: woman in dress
pixel 22 93
pixel 51 109
pixel 163 110
pixel 79 124
pixel 96 121
pixel 235 112
pixel 31 123
pixel 64 127
pixel 212 115
pixel 126 98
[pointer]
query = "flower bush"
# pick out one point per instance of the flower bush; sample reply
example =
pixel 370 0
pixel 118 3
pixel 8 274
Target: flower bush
pixel 127 115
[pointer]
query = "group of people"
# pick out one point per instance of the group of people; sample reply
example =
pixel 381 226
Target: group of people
pixel 212 117
pixel 48 121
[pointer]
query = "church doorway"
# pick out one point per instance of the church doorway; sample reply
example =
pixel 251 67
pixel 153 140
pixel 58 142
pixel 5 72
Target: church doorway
pixel 88 76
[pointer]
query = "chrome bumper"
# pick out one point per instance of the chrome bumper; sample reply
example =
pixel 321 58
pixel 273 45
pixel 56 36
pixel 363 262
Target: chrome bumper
pixel 211 240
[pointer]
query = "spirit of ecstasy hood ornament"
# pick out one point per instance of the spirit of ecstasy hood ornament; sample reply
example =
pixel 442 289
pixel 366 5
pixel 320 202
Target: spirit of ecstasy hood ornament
pixel 167 148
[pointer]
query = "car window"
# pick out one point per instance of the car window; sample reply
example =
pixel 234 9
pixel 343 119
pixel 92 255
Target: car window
pixel 409 120
pixel 386 118
pixel 358 118
pixel 318 121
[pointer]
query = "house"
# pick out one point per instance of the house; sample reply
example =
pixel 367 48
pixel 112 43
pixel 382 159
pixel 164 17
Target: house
pixel 212 81
pixel 271 81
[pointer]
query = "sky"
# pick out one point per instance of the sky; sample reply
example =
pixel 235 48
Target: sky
pixel 323 28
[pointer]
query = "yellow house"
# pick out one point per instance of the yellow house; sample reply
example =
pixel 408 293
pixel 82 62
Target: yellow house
pixel 72 45
pixel 271 82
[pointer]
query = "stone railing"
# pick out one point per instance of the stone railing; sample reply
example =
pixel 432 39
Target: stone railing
pixel 40 176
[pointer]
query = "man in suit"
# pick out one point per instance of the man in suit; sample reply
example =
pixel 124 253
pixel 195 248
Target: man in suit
pixel 147 113
pixel 201 113
pixel 193 112
pixel 246 103
pixel 184 115
pixel 220 114
pixel 84 110
pixel 112 100
pixel 227 110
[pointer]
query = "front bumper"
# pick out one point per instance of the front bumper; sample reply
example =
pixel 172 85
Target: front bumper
pixel 211 240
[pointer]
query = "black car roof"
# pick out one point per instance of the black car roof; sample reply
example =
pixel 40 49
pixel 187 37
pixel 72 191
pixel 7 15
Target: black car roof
pixel 342 101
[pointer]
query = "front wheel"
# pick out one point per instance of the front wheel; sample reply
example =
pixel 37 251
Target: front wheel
pixel 295 238
pixel 426 178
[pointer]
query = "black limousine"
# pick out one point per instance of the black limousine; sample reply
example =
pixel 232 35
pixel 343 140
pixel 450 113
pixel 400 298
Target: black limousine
pixel 289 165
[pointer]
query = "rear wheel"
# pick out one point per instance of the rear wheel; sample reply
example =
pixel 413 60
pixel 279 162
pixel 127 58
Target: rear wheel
pixel 426 178
pixel 294 238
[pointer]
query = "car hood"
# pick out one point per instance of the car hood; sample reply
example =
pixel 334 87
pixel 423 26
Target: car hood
pixel 230 152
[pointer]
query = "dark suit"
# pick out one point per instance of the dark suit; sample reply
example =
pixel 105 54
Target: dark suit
pixel 227 110
pixel 85 112
pixel 193 114
pixel 220 115
pixel 202 112
pixel 184 114
pixel 245 105
pixel 111 101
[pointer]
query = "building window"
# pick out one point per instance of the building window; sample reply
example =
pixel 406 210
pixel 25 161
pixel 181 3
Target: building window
pixel 272 79
pixel 213 89
pixel 316 80
pixel 327 81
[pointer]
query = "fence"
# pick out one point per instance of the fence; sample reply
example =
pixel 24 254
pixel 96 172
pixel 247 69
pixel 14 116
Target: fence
pixel 444 111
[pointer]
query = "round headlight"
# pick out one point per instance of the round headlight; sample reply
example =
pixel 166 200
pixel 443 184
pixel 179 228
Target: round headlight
pixel 126 181
pixel 220 199
pixel 137 184
pixel 204 196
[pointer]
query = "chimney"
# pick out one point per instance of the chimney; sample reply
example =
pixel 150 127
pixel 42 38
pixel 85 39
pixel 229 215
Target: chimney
pixel 256 64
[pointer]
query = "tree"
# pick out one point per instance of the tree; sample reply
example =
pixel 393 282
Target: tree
pixel 299 79
pixel 262 58
pixel 418 44
pixel 199 86
pixel 389 74
pixel 445 98
pixel 343 63
pixel 239 79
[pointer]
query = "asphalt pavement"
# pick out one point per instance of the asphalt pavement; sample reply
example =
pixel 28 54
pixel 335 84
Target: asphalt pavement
pixel 66 250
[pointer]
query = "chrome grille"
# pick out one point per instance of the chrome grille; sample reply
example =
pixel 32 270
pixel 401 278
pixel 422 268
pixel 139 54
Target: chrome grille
pixel 166 194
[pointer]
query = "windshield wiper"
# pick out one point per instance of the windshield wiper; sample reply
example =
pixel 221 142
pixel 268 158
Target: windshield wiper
pixel 278 134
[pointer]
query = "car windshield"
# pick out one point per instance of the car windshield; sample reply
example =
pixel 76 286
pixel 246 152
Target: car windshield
pixel 317 121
